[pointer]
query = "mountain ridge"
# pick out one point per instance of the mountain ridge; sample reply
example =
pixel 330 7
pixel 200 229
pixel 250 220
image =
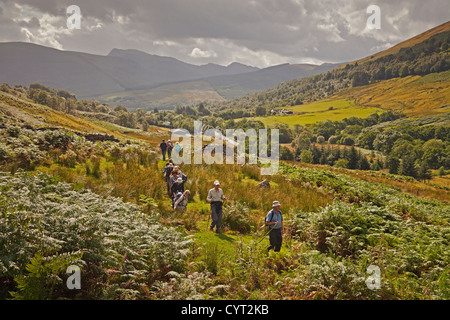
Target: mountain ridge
pixel 109 78
pixel 89 75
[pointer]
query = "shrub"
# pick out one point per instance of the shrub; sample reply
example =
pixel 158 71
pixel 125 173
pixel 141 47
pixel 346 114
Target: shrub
pixel 13 132
pixel 236 217
pixel 124 251
pixel 333 140
pixel 286 154
pixel 306 156
pixel 58 139
pixel 368 234
pixel 321 139
pixel 193 286
pixel 5 152
pixel 341 163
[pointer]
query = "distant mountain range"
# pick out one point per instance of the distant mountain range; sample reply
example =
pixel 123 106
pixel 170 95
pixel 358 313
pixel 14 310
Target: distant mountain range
pixel 412 77
pixel 137 79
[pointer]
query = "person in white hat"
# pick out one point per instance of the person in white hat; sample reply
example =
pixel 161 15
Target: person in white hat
pixel 274 220
pixel 215 198
pixel 178 186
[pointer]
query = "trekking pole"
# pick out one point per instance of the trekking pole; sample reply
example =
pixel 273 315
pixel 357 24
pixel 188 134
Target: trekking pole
pixel 209 217
pixel 264 236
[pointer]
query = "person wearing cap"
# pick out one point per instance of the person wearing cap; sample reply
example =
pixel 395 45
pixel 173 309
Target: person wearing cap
pixel 181 200
pixel 177 186
pixel 163 147
pixel 274 220
pixel 215 198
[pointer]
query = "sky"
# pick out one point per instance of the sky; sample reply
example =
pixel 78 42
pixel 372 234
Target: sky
pixel 259 33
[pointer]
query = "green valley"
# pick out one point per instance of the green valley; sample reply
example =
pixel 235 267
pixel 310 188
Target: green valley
pixel 319 111
pixel 363 181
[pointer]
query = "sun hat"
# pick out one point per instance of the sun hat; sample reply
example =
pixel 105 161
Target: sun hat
pixel 180 180
pixel 275 204
pixel 217 183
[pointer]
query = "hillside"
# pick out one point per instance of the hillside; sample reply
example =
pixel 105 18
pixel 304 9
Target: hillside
pixel 363 182
pixel 103 206
pixel 236 86
pixel 426 54
pixel 21 110
pixel 163 97
pixel 414 96
pixel 410 42
pixel 211 89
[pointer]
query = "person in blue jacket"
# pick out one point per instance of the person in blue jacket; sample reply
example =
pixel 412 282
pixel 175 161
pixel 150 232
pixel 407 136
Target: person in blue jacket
pixel 274 220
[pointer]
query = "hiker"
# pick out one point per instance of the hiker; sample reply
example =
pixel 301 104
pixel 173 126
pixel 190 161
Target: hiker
pixel 169 148
pixel 176 169
pixel 215 198
pixel 182 175
pixel 274 220
pixel 178 186
pixel 163 147
pixel 181 200
pixel 166 168
pixel 173 178
pixel 178 147
pixel 167 174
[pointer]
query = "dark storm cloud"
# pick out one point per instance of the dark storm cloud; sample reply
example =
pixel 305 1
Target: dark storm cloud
pixel 256 32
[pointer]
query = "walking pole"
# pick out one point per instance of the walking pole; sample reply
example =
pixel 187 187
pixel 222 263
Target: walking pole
pixel 263 237
pixel 209 218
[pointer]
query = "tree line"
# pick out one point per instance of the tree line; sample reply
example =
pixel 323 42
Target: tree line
pixel 411 147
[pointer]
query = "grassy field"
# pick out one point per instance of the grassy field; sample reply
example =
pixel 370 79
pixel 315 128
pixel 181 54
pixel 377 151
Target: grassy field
pixel 330 109
pixel 413 95
pixel 336 224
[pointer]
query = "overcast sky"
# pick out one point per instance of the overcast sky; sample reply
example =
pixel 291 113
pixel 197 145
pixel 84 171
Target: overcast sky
pixel 254 32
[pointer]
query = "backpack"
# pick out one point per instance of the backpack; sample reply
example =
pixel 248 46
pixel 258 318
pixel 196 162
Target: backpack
pixel 183 203
pixel 271 217
pixel 178 195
